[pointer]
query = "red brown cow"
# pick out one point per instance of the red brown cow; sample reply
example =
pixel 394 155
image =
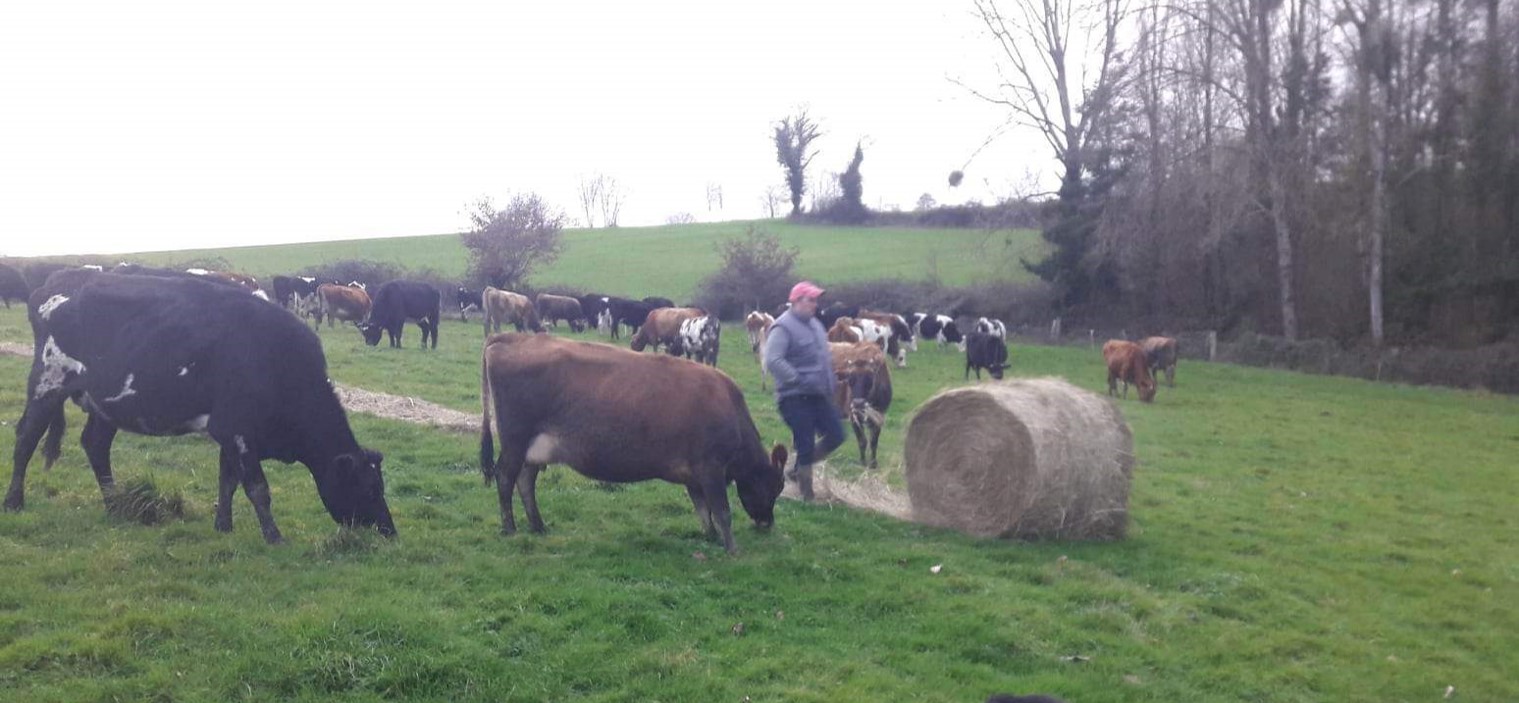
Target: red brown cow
pixel 505 307
pixel 345 303
pixel 1126 362
pixel 663 327
pixel 1160 354
pixel 844 331
pixel 758 325
pixel 863 393
pixel 587 405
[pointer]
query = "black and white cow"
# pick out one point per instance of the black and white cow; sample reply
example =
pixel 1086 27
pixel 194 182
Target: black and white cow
pixel 168 356
pixel 295 293
pixel 992 326
pixel 700 339
pixel 985 351
pixel 399 301
pixel 467 298
pixel 593 305
pixel 940 328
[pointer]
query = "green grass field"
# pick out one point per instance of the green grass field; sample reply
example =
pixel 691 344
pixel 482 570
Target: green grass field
pixel 670 260
pixel 1295 538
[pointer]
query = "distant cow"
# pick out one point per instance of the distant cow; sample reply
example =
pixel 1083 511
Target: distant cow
pixel 399 301
pixel 845 331
pixel 881 332
pixel 655 302
pixel 985 351
pixel 593 305
pixel 1126 362
pixel 621 311
pixel 553 308
pixel 832 313
pixel 901 331
pixel 991 326
pixel 663 327
pixel 592 407
pixel 165 356
pixel 700 339
pixel 241 279
pixel 940 328
pixel 758 324
pixel 295 293
pixel 36 273
pixel 12 286
pixel 346 303
pixel 505 307
pixel 466 298
pixel 1160 354
pixel 863 393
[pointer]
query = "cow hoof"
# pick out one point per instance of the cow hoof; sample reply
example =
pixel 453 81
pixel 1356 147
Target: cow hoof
pixel 13 505
pixel 275 538
pixel 224 526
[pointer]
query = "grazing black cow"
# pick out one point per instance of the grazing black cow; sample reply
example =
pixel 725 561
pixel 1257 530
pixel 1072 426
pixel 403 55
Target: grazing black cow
pixel 399 301
pixel 632 313
pixel 655 302
pixel 553 308
pixel 467 298
pixel 12 286
pixel 592 305
pixel 167 356
pixel 833 312
pixel 985 351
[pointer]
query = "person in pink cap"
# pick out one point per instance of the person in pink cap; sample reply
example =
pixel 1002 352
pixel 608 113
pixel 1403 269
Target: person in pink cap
pixel 797 356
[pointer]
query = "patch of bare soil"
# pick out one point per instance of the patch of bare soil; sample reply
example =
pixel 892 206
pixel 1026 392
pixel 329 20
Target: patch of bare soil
pixel 15 349
pixel 406 409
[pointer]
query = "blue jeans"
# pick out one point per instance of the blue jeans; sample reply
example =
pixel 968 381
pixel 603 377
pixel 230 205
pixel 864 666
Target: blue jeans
pixel 809 416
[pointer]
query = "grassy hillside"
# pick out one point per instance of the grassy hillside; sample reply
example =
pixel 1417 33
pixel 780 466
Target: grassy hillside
pixel 670 260
pixel 1296 538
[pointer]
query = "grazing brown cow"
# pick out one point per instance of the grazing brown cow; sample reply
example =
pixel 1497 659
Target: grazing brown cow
pixel 345 303
pixel 1126 362
pixel 591 406
pixel 553 308
pixel 663 327
pixel 844 331
pixel 1160 353
pixel 863 393
pixel 758 324
pixel 505 307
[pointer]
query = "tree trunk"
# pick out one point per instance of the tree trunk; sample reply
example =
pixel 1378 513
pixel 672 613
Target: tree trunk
pixel 1278 211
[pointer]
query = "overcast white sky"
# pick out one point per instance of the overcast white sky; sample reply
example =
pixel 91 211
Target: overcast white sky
pixel 159 125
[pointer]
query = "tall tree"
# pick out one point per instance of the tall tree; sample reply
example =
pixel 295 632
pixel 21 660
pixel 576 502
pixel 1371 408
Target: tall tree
pixel 506 245
pixel 793 151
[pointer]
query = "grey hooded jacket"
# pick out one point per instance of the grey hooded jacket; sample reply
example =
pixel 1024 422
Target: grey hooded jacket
pixel 797 355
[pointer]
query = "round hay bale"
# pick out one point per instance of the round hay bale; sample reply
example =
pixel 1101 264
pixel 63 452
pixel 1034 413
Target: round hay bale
pixel 1031 459
pixel 955 177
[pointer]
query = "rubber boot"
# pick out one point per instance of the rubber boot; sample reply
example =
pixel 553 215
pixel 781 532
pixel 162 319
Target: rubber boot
pixel 804 481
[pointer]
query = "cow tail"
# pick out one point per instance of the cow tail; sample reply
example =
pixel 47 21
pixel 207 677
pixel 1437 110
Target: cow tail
pixel 487 446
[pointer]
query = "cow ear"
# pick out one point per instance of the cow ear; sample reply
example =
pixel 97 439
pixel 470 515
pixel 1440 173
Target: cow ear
pixel 343 463
pixel 778 457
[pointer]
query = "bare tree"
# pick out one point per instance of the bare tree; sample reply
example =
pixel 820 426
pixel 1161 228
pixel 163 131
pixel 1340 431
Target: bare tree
pixel 772 199
pixel 714 196
pixel 590 196
pixel 506 245
pixel 611 199
pixel 793 151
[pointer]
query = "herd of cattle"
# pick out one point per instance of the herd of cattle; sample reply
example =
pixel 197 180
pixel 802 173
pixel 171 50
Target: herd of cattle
pixel 164 352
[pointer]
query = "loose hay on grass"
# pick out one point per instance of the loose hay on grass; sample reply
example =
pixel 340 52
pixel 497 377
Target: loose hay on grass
pixel 138 500
pixel 1036 458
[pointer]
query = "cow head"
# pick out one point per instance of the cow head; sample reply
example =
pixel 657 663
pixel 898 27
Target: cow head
pixel 371 333
pixel 353 489
pixel 1146 389
pixel 996 369
pixel 857 381
pixel 761 485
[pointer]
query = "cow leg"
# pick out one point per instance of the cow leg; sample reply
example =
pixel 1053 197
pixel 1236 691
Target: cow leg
pixel 52 447
pixel 1112 384
pixel 859 438
pixel 1171 375
pixel 967 370
pixel 508 469
pixel 231 475
pixel 715 493
pixel 703 515
pixel 875 440
pixel 96 439
pixel 34 422
pixel 527 485
pixel 256 487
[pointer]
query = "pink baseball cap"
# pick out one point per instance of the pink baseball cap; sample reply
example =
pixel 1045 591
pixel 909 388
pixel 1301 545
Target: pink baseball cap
pixel 805 289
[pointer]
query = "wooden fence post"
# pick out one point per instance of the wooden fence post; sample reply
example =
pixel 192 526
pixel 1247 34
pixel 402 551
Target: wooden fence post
pixel 1212 344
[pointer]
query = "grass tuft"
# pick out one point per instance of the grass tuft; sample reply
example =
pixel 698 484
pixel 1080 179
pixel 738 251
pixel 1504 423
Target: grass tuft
pixel 139 500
